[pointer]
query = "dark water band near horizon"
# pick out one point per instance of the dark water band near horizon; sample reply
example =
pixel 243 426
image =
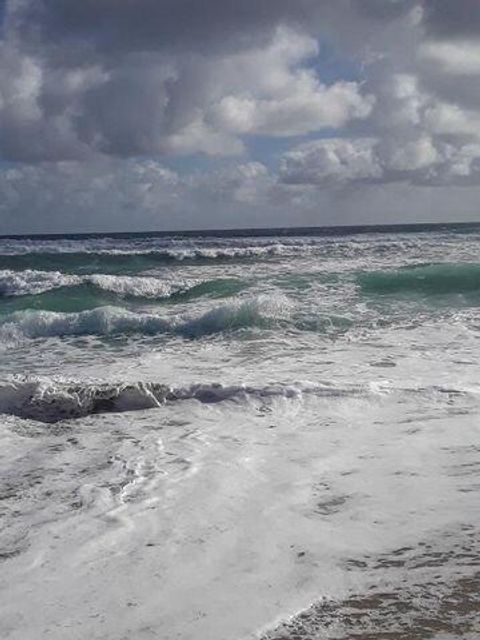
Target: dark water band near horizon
pixel 246 434
pixel 255 232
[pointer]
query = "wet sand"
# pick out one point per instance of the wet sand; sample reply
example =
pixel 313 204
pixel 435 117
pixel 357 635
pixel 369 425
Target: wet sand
pixel 424 599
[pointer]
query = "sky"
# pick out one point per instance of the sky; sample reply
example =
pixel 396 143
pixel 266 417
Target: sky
pixel 135 115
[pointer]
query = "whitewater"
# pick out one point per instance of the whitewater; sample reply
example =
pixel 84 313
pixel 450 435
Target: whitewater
pixel 240 436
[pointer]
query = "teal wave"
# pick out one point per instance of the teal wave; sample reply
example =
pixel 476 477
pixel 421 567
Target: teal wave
pixel 430 279
pixel 83 297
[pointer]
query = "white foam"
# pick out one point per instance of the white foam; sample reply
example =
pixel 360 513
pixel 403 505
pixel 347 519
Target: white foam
pixel 31 282
pixel 138 286
pixel 28 282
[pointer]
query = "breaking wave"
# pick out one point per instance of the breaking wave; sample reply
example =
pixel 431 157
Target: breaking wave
pixel 50 401
pixel 431 279
pixel 260 311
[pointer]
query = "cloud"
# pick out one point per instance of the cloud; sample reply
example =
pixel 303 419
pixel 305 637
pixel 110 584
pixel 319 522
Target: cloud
pixel 108 79
pixel 295 111
pixel 131 195
pixel 450 120
pixel 109 27
pixel 335 162
pixel 58 195
pixel 458 58
pixel 331 161
pixel 446 19
pixel 276 96
pixel 310 107
pixel 144 195
pixel 150 77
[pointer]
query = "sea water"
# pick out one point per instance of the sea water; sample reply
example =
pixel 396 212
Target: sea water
pixel 228 437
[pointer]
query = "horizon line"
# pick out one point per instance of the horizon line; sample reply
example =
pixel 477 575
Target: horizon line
pixel 249 231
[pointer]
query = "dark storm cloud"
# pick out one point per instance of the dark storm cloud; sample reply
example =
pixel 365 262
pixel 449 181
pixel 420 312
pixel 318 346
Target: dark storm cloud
pixel 105 27
pixel 383 9
pixel 153 25
pixel 452 18
pixel 128 110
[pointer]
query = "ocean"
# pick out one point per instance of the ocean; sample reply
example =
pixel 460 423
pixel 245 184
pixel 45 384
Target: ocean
pixel 239 435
